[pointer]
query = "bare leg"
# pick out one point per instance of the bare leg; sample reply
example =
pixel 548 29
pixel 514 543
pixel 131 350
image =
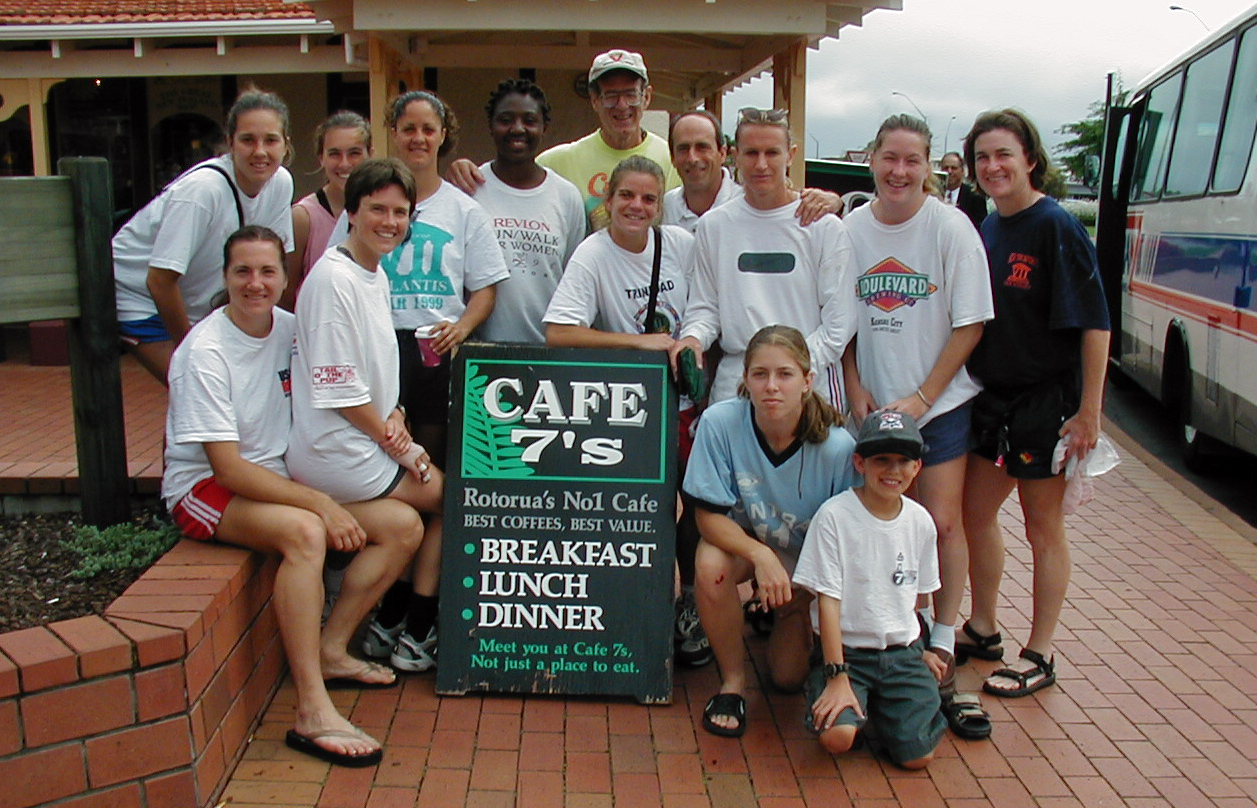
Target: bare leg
pixel 790 643
pixel 716 578
pixel 986 488
pixel 394 532
pixel 423 497
pixel 838 738
pixel 299 538
pixel 941 489
pixel 1045 530
pixel 154 357
pixel 426 569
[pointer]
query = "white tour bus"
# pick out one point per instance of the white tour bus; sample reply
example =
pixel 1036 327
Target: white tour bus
pixel 1177 236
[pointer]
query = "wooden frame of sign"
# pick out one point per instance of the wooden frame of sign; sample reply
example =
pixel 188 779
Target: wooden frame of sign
pixel 560 523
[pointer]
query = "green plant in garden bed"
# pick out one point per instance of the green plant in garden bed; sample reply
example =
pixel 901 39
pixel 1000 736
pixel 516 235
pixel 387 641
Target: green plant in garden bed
pixel 120 547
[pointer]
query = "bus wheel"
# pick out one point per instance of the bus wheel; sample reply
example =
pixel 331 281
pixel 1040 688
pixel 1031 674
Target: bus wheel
pixel 1192 442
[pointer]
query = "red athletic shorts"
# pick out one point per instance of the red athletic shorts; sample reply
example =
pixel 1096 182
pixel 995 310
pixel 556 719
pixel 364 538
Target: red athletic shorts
pixel 200 511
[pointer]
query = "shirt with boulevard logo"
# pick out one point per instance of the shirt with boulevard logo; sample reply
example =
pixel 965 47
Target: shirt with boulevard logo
pixel 916 282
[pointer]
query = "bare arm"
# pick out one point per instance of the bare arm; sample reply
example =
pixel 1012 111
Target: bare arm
pixel 838 694
pixel 1083 429
pixel 447 336
pixel 263 485
pixel 815 203
pixel 579 336
pixel 465 174
pixel 296 259
pixel 859 398
pixel 389 433
pixel 719 530
pixel 163 286
pixel 955 353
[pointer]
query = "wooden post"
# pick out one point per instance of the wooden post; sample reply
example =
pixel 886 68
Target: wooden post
pixel 714 104
pixel 790 92
pixel 95 374
pixel 380 91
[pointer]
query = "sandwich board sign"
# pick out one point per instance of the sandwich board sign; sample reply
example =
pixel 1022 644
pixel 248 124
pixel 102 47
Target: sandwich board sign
pixel 560 523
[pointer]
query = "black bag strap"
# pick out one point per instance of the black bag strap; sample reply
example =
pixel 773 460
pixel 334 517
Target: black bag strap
pixel 649 325
pixel 234 193
pixel 324 202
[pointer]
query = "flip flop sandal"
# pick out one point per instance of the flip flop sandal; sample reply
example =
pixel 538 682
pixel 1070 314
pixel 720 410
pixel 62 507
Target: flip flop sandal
pixel 730 704
pixel 1042 675
pixel 308 745
pixel 354 683
pixel 989 647
pixel 966 717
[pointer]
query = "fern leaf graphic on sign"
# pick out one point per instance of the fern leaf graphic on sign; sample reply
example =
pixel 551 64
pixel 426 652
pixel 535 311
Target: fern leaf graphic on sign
pixel 487 447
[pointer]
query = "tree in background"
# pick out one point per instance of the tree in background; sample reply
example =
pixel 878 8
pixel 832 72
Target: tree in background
pixel 1086 142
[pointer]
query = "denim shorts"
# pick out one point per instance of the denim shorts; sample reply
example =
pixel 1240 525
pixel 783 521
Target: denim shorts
pixel 899 697
pixel 947 436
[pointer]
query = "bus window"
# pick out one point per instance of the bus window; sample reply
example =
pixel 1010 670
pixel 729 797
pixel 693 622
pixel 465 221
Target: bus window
pixel 1241 120
pixel 1196 135
pixel 1154 139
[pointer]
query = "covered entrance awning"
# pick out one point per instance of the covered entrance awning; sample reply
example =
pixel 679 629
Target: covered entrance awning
pixel 695 49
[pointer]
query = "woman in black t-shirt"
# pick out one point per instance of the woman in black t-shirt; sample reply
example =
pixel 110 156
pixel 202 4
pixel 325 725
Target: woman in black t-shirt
pixel 1041 362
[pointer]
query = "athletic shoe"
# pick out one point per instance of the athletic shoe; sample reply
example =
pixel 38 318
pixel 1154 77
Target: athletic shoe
pixel 688 637
pixel 411 655
pixel 379 641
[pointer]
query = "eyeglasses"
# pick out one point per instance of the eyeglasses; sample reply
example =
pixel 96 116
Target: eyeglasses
pixel 776 117
pixel 632 98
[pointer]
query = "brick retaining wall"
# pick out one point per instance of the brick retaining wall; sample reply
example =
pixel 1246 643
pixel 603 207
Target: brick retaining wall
pixel 151 705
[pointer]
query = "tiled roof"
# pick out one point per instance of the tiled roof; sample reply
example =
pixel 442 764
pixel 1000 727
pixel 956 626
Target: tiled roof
pixel 61 12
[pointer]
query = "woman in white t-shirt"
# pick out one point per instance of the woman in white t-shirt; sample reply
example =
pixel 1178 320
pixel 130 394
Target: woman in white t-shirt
pixel 608 279
pixel 538 216
pixel 226 435
pixel 167 259
pixel 603 301
pixel 923 293
pixel 340 143
pixel 349 435
pixel 442 278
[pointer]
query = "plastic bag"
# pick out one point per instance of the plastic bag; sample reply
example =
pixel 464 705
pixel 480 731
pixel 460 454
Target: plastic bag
pixel 1079 488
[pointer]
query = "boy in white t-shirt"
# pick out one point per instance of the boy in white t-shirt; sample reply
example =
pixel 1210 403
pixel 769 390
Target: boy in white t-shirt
pixel 868 553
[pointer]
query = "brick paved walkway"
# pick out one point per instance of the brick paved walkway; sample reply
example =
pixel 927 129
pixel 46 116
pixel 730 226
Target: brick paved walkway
pixel 1136 720
pixel 37 454
pixel 1155 705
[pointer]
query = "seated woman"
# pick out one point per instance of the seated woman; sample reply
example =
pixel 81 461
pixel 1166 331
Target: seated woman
pixel 349 435
pixel 763 463
pixel 226 435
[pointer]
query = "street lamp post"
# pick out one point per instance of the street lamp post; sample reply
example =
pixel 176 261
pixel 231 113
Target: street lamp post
pixel 905 97
pixel 1194 14
pixel 947 136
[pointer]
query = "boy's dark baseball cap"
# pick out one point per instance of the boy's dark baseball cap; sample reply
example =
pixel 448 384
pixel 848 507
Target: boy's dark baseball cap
pixel 888 432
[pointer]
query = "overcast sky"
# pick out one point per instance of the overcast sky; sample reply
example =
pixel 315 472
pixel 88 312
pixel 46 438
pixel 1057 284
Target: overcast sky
pixel 960 57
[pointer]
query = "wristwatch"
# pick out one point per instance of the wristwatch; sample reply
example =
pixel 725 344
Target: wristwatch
pixel 833 669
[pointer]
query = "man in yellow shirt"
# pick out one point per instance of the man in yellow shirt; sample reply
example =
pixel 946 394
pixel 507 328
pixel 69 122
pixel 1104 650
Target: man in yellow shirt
pixel 619 93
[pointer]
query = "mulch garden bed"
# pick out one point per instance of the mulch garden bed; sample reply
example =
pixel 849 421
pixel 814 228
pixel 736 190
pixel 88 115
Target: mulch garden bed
pixel 36 585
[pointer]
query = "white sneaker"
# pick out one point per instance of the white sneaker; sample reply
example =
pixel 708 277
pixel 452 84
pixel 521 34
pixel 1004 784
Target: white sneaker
pixel 411 655
pixel 689 640
pixel 379 641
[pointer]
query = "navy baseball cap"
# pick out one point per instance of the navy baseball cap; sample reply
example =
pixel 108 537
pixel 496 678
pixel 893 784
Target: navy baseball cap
pixel 889 432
